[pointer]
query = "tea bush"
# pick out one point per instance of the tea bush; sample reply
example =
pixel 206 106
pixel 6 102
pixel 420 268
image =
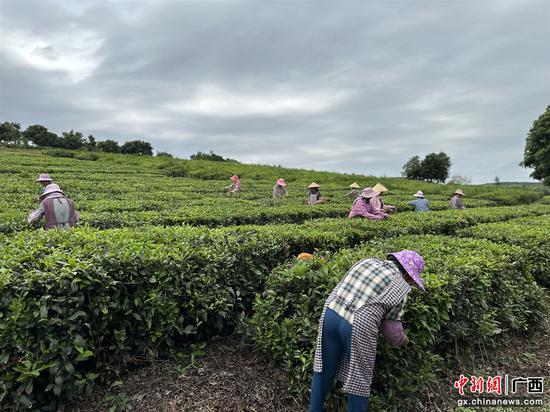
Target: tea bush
pixel 531 234
pixel 478 293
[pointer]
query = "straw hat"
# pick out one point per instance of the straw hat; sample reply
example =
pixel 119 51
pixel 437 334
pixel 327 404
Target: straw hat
pixel 369 192
pixel 413 264
pixel 354 185
pixel 281 182
pixel 419 194
pixel 44 177
pixel 380 188
pixel 459 192
pixel 313 185
pixel 304 256
pixel 51 188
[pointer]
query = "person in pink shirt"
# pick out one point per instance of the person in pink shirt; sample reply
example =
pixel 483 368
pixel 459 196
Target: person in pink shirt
pixel 363 208
pixel 235 186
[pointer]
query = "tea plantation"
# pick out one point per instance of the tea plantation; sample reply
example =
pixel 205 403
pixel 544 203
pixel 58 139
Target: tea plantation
pixel 163 257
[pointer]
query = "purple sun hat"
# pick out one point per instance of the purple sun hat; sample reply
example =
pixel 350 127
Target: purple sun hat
pixel 413 264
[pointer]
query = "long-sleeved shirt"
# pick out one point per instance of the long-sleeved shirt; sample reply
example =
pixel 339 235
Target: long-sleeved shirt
pixel 372 296
pixel 379 206
pixel 420 205
pixel 279 191
pixel 58 211
pixel 362 208
pixel 456 203
pixel 353 193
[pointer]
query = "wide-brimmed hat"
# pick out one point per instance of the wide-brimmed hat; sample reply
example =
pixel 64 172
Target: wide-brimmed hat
pixel 380 188
pixel 281 182
pixel 51 188
pixel 413 264
pixel 459 192
pixel 419 194
pixel 314 185
pixel 369 192
pixel 304 256
pixel 354 185
pixel 234 178
pixel 44 177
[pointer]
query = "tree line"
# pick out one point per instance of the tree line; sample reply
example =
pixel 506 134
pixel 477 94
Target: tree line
pixel 10 133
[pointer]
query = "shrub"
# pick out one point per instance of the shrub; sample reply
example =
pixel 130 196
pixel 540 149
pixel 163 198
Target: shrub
pixel 59 153
pixel 87 156
pixel 478 292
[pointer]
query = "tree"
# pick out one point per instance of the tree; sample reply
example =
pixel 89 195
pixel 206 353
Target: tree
pixel 40 136
pixel 138 147
pixel 435 167
pixel 10 132
pixel 91 143
pixel 497 180
pixel 208 156
pixel 537 148
pixel 108 146
pixel 72 140
pixel 413 168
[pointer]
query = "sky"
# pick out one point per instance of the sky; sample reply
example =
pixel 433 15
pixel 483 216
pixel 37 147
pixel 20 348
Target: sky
pixel 348 86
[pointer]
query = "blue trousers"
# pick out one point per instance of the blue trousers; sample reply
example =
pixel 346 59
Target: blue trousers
pixel 336 342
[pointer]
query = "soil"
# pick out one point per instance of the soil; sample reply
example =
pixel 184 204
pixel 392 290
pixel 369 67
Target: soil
pixel 229 377
pixel 232 377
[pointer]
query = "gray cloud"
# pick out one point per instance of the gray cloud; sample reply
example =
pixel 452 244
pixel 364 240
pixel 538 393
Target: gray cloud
pixel 345 86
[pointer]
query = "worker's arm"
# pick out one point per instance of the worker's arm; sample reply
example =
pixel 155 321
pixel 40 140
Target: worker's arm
pixel 34 217
pixel 393 332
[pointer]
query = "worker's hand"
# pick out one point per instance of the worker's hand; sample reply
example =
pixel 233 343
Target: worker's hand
pixel 405 341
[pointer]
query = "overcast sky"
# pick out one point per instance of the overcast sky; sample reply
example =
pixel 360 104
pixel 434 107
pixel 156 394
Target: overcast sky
pixel 346 86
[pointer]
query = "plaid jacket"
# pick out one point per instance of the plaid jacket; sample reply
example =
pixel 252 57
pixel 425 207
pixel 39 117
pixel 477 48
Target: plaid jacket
pixel 365 280
pixel 381 299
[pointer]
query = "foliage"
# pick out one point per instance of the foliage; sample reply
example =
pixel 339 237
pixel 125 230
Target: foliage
pixel 537 148
pixel 209 156
pixel 138 147
pixel 71 140
pixel 59 153
pixel 10 132
pixel 108 146
pixel 474 298
pixel 40 136
pixel 434 168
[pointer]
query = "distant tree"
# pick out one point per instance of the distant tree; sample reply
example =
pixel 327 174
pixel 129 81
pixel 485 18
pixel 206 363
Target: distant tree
pixel 164 154
pixel 460 180
pixel 413 168
pixel 10 132
pixel 497 180
pixel 435 167
pixel 138 147
pixel 40 136
pixel 108 146
pixel 71 140
pixel 537 148
pixel 91 143
pixel 208 156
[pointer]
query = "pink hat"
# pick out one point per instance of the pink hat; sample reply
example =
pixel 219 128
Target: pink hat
pixel 51 188
pixel 368 192
pixel 234 178
pixel 413 264
pixel 419 194
pixel 44 177
pixel 281 182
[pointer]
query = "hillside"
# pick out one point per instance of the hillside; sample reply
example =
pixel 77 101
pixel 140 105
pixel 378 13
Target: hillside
pixel 165 261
